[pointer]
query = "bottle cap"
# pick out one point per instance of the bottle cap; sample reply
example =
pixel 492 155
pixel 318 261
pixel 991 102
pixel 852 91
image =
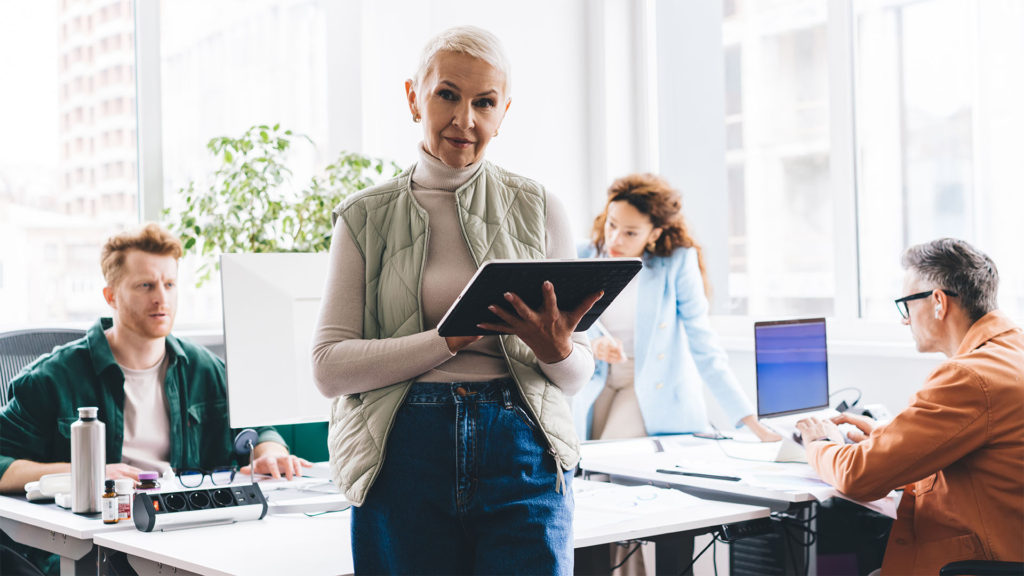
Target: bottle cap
pixel 148 476
pixel 88 412
pixel 109 485
pixel 124 485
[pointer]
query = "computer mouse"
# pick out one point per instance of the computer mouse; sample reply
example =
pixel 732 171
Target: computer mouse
pixel 798 438
pixel 845 429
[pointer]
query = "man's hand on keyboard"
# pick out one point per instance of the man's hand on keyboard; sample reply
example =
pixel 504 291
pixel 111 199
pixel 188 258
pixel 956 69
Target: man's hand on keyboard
pixel 812 429
pixel 863 424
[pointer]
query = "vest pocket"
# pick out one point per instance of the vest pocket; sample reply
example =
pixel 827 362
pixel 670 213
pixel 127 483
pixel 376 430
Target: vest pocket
pixel 522 415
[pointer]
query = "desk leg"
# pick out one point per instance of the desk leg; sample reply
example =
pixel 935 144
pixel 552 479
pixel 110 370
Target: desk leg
pixel 75 557
pixel 672 553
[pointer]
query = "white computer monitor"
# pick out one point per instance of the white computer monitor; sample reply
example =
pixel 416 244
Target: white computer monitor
pixel 271 302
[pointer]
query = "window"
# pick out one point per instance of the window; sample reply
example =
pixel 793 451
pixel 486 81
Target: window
pixel 777 158
pixel 935 140
pixel 940 135
pixel 226 66
pixel 49 202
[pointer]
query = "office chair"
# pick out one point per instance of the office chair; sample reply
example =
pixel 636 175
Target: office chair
pixel 20 348
pixel 14 564
pixel 982 568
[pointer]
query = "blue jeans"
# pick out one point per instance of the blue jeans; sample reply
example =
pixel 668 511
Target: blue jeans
pixel 467 487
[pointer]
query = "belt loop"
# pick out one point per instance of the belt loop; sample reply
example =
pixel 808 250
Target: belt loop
pixel 506 395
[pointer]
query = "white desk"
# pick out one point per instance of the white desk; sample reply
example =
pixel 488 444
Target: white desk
pixel 321 545
pixel 783 487
pixel 56 530
pixel 277 544
pixel 608 513
pixel 773 484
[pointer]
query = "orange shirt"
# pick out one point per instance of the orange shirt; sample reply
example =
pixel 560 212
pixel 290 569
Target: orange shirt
pixel 958 451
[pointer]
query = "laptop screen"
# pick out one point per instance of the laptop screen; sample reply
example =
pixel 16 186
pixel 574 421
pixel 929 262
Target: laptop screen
pixel 792 366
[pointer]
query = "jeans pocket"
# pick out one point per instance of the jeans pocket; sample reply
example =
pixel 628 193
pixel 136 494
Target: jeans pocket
pixel 522 415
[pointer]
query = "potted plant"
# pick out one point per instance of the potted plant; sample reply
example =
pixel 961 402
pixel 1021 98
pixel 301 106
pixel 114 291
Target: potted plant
pixel 245 208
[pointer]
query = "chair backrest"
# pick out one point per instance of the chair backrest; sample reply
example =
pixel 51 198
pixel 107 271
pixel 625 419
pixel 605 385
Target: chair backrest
pixel 21 347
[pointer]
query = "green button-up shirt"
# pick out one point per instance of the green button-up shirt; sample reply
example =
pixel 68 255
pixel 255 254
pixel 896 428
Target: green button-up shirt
pixel 36 423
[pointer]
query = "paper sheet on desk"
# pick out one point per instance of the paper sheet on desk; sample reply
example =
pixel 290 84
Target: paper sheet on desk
pixel 812 485
pixel 643 499
pixel 886 506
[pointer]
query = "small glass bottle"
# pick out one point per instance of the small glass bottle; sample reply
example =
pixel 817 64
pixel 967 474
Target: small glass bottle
pixel 108 504
pixel 147 481
pixel 125 489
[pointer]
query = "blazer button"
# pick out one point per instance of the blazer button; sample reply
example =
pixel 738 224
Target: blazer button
pixel 661 356
pixel 663 325
pixel 659 385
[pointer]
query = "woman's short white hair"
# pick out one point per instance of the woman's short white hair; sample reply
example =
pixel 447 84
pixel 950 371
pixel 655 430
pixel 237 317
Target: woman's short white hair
pixel 470 40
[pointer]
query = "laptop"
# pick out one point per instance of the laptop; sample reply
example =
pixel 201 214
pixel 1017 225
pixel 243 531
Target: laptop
pixel 791 358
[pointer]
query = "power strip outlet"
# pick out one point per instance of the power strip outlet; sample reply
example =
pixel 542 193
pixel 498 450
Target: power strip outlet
pixel 740 530
pixel 199 507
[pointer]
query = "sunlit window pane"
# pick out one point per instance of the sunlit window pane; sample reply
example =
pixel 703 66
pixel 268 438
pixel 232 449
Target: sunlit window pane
pixel 940 135
pixel 227 66
pixel 777 135
pixel 68 156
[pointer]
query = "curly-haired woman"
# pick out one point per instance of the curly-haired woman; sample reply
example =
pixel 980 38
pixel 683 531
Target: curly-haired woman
pixel 657 347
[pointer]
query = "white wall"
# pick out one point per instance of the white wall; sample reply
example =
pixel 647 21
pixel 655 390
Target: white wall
pixel 581 112
pixel 545 134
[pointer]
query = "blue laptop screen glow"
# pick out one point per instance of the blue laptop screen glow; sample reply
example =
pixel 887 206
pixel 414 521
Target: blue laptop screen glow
pixel 792 366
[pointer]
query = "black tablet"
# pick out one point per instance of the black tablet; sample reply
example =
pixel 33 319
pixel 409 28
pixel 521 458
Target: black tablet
pixel 574 280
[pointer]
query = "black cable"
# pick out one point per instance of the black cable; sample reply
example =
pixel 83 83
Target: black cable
pixel 854 388
pixel 697 557
pixel 623 563
pixel 789 548
pixel 714 552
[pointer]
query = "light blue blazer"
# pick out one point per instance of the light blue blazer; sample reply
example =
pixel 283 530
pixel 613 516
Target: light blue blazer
pixel 675 352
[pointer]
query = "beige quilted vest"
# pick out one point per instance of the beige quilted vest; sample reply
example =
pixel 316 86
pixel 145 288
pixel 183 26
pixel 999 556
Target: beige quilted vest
pixel 502 216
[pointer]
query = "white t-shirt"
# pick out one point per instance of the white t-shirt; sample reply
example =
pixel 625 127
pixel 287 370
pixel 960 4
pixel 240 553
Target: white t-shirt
pixel 147 427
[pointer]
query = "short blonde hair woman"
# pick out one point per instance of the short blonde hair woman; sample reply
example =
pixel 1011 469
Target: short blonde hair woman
pixel 457 451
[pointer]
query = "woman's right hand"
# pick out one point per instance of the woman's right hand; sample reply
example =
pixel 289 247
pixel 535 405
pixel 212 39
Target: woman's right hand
pixel 864 425
pixel 608 349
pixel 456 343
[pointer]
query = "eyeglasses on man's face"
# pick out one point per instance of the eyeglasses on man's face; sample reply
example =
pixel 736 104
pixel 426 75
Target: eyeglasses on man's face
pixel 193 477
pixel 901 303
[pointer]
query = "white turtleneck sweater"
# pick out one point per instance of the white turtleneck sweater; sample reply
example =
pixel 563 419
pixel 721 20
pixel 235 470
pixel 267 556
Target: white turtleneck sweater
pixel 345 363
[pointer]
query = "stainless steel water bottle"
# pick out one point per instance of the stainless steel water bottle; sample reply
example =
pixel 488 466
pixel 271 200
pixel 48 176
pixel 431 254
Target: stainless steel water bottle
pixel 88 461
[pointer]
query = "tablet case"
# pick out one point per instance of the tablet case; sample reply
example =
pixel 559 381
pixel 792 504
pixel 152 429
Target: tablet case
pixel 574 280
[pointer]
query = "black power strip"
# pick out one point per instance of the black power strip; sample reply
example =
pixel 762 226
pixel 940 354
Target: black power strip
pixel 740 530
